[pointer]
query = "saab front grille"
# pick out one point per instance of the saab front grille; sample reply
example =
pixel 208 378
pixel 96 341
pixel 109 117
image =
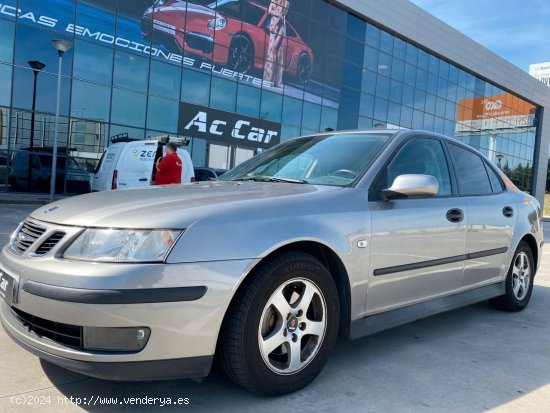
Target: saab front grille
pixel 26 236
pixel 51 242
pixel 66 334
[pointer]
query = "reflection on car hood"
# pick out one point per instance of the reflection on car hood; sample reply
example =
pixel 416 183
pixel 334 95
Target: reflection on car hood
pixel 168 206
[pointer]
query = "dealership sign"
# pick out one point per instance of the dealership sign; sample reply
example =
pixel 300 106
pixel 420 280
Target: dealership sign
pixel 498 112
pixel 212 124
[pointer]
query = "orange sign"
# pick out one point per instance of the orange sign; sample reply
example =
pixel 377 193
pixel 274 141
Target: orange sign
pixel 504 111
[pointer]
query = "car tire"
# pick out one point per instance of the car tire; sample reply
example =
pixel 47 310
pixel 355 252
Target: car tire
pixel 241 55
pixel 255 324
pixel 519 281
pixel 303 68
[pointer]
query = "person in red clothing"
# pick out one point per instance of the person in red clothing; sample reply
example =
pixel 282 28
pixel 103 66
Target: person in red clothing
pixel 169 167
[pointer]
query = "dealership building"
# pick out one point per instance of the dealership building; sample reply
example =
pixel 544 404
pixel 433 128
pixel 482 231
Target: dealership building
pixel 236 77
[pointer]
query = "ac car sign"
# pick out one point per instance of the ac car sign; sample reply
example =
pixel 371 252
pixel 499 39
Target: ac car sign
pixel 217 125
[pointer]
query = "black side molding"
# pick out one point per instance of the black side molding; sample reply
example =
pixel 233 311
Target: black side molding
pixel 130 296
pixel 440 261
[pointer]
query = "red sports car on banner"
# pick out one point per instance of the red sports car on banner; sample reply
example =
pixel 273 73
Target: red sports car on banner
pixel 232 33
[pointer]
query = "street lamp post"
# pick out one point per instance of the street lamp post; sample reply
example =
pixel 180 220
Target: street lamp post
pixel 36 67
pixel 61 46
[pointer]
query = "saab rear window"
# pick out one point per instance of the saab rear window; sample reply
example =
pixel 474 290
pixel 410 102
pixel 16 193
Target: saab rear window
pixel 471 173
pixel 252 14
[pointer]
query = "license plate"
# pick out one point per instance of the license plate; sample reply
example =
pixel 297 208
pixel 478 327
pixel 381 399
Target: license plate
pixel 7 287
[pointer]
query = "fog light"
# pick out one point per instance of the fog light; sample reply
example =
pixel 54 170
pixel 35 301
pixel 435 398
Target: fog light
pixel 115 338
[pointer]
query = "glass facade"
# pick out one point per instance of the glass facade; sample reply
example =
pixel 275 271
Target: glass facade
pixel 305 65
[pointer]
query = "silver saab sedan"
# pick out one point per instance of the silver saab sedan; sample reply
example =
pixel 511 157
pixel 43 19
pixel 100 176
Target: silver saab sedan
pixel 343 233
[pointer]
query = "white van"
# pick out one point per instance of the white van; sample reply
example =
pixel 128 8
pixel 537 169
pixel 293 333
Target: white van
pixel 129 163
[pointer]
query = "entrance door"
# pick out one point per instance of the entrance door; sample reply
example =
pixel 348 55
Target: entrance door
pixel 219 156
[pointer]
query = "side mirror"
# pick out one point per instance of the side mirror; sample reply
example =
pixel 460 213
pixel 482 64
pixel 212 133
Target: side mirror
pixel 412 186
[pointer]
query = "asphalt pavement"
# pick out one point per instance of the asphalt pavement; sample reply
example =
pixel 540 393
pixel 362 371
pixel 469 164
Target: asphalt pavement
pixel 469 360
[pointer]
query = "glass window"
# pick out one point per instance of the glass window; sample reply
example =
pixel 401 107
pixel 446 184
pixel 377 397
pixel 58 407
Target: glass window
pixel 289 132
pixel 31 10
pixel 418 120
pixel 162 114
pixel 99 15
pixel 6 45
pixel 352 75
pixel 373 36
pixel 419 156
pixel 356 27
pixel 384 64
pixel 421 79
pixel 347 120
pixel 371 58
pixel 412 54
pixel 406 117
pixel 90 100
pixel 252 14
pixel 410 75
pixel 386 42
pixel 383 87
pixel 195 87
pixel 367 105
pixel 311 116
pixel 495 182
pixel 329 118
pixel 271 107
pixel 397 69
pixel 247 100
pixel 93 62
pixel 419 99
pixel 131 71
pixel 223 94
pixel 350 99
pixel 5 86
pixel 408 95
pixel 396 91
pixel 381 109
pixel 132 132
pixel 434 65
pixel 399 48
pixel 470 171
pixel 46 91
pixel 354 51
pixel 128 108
pixel 394 113
pixel 165 80
pixel 423 60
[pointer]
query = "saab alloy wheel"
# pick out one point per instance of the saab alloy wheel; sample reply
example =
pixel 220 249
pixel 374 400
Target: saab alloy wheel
pixel 282 326
pixel 519 281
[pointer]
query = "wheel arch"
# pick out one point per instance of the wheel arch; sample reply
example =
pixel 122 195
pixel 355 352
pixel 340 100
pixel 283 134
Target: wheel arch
pixel 334 265
pixel 532 242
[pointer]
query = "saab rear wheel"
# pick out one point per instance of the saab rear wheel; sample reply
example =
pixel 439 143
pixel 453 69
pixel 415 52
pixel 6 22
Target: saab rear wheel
pixel 303 69
pixel 282 327
pixel 519 281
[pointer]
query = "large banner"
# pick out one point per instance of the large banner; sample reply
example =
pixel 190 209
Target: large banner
pixel 251 41
pixel 218 125
pixel 498 112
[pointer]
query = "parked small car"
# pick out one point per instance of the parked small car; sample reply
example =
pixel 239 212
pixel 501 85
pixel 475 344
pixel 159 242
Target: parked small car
pixel 70 177
pixel 208 174
pixel 342 233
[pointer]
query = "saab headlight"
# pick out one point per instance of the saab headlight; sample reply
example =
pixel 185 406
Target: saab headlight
pixel 217 24
pixel 122 245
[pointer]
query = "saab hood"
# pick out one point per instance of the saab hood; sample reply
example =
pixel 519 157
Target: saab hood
pixel 167 206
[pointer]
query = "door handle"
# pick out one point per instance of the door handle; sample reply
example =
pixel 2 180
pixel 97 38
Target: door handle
pixel 143 180
pixel 455 215
pixel 508 211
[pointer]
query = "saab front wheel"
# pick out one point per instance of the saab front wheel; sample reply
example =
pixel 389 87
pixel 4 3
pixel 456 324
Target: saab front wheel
pixel 282 327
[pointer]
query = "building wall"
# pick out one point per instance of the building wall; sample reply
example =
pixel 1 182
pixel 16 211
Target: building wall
pixel 384 65
pixel 414 23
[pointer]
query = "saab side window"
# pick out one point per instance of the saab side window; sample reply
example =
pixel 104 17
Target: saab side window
pixel 495 181
pixel 471 173
pixel 419 156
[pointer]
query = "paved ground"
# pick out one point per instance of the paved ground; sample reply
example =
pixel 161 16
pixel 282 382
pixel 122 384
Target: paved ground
pixel 470 360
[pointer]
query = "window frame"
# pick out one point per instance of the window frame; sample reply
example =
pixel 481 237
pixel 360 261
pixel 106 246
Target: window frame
pixel 374 195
